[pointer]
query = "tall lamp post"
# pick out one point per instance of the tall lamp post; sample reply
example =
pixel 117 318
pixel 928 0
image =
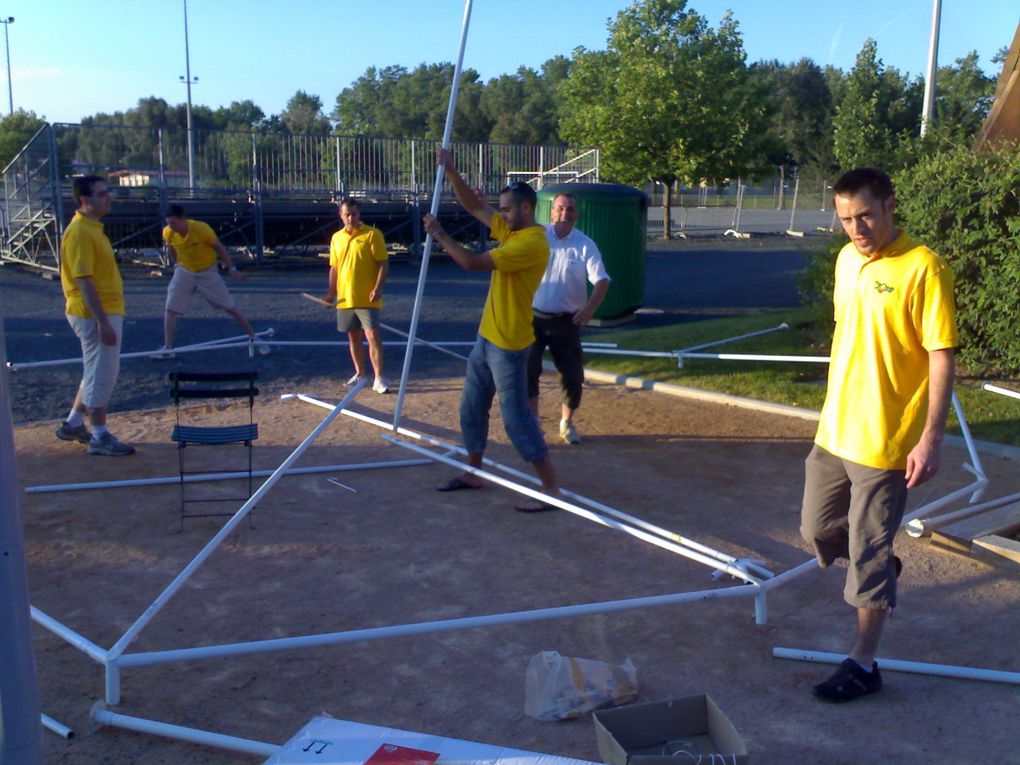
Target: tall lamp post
pixel 7 46
pixel 187 80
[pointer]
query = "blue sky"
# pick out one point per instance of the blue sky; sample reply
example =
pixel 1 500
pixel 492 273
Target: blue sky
pixel 71 59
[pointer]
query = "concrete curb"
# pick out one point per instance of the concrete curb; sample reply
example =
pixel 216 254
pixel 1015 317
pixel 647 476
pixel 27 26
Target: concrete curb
pixel 986 447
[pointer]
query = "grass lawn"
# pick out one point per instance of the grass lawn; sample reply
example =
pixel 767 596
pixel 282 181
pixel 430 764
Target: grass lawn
pixel 991 417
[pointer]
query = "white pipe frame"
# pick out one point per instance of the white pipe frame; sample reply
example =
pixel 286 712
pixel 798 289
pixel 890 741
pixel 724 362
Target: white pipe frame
pixel 201 477
pixel 1001 391
pixel 238 341
pixel 437 191
pixel 898 665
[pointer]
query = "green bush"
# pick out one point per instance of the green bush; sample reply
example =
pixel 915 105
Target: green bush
pixel 966 207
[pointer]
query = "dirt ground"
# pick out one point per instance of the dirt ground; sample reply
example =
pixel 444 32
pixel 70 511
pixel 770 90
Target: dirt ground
pixel 322 558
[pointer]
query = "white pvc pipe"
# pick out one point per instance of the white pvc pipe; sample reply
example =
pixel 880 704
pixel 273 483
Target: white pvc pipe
pixel 559 502
pixel 102 716
pixel 419 341
pixel 451 110
pixel 778 328
pixel 129 482
pixel 208 345
pixel 896 665
pixel 722 558
pixel 224 532
pixel 919 527
pixel 64 632
pixel 755 357
pixel 59 728
pixel 424 628
pixel 1000 391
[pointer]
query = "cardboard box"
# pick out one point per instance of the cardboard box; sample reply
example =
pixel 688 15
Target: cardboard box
pixel 681 731
pixel 327 741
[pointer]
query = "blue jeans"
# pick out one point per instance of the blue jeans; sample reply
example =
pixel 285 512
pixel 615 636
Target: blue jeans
pixel 492 370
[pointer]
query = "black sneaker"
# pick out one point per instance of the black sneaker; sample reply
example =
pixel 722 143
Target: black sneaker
pixel 80 434
pixel 849 682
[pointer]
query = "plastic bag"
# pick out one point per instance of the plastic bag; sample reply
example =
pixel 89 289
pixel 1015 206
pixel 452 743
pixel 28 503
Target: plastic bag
pixel 563 687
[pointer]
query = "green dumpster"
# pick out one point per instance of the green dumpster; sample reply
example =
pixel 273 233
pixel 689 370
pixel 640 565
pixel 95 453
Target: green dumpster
pixel 614 216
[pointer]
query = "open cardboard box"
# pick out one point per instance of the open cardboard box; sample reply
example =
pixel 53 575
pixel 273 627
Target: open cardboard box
pixel 689 729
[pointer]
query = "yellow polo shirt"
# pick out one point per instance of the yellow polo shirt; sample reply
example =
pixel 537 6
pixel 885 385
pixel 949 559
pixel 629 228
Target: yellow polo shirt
pixel 196 250
pixel 520 261
pixel 85 250
pixel 356 258
pixel 891 309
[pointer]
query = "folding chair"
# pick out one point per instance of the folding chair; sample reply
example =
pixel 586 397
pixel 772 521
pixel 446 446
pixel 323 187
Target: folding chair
pixel 212 385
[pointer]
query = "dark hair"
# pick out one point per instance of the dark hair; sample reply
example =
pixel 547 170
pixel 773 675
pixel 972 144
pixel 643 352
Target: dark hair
pixel 83 186
pixel 348 202
pixel 521 192
pixel 174 211
pixel 874 180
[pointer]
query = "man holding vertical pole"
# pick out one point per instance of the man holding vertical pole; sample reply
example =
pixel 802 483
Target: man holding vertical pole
pixel 498 361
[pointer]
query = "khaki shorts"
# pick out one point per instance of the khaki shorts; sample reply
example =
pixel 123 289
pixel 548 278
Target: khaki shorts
pixel 101 362
pixel 852 511
pixel 186 283
pixel 356 318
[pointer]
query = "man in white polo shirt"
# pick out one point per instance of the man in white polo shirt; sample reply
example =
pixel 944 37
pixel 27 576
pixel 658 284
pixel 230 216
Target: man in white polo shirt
pixel 562 307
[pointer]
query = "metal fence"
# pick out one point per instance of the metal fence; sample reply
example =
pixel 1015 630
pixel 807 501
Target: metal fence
pixel 274 187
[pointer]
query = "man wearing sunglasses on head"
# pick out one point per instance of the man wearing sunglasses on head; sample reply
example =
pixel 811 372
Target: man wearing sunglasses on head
pixel 499 359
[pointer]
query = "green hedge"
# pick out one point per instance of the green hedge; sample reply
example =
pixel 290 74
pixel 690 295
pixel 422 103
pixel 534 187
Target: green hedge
pixel 965 206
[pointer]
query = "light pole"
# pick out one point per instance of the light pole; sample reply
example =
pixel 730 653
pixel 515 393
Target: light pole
pixel 187 80
pixel 7 46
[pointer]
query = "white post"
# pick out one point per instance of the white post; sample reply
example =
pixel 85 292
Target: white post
pixel 20 729
pixel 928 110
pixel 434 210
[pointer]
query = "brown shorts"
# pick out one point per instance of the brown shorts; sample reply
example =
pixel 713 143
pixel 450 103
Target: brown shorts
pixel 852 511
pixel 186 283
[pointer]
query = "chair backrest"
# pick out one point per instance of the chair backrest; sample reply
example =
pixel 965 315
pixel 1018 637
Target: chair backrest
pixel 211 385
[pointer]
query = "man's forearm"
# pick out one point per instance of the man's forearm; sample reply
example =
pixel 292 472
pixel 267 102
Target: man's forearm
pixel 91 298
pixel 941 375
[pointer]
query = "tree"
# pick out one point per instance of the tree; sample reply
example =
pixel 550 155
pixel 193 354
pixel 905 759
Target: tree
pixel 801 122
pixel 963 96
pixel 303 115
pixel 15 131
pixel 669 99
pixel 879 110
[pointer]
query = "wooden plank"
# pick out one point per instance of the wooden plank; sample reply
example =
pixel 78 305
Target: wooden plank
pixel 1002 521
pixel 998 550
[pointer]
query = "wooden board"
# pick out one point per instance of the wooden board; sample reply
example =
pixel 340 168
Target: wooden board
pixel 959 536
pixel 1000 551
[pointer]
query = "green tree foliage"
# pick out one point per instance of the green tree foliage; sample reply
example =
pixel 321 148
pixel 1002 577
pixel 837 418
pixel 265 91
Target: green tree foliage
pixel 303 115
pixel 966 206
pixel 522 107
pixel 398 103
pixel 15 130
pixel 877 110
pixel 963 96
pixel 801 122
pixel 669 99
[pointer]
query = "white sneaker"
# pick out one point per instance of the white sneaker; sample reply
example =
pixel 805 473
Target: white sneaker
pixel 163 354
pixel 380 386
pixel 569 433
pixel 263 348
pixel 355 379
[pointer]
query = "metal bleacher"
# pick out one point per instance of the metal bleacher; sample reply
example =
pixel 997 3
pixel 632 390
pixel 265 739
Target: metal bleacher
pixel 269 195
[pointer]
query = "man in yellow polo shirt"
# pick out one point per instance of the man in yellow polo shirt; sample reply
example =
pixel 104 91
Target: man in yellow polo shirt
pixel 195 249
pixel 890 384
pixel 358 267
pixel 498 362
pixel 95 310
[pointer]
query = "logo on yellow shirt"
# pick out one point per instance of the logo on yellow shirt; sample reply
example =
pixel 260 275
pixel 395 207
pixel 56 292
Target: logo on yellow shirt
pixel 882 288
